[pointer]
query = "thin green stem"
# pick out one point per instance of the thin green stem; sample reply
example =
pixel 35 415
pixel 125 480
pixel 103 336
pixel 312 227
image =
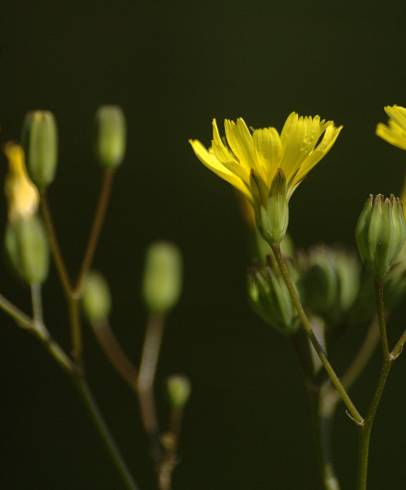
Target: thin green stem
pixel 16 314
pixel 321 423
pixel 354 413
pixel 357 366
pixel 54 244
pixel 100 214
pixel 104 432
pixel 366 430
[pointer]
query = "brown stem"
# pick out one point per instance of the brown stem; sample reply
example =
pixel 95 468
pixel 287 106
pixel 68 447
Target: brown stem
pixel 54 244
pixel 170 444
pixel 115 354
pixel 100 213
pixel 146 377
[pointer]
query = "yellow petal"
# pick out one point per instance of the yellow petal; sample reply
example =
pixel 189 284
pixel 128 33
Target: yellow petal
pixel 211 162
pixel 224 155
pixel 330 135
pixel 22 195
pixel 240 141
pixel 398 114
pixel 268 148
pixel 292 137
pixel 392 134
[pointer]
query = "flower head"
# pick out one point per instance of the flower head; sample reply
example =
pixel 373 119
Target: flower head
pixel 302 143
pixel 22 195
pixel 395 132
pixel 267 166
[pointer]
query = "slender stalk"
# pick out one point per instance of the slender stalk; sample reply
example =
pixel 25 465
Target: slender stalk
pixel 397 350
pixel 353 412
pixel 170 444
pixel 36 298
pixel 146 377
pixel 366 430
pixel 115 354
pixel 54 244
pixel 322 427
pixel 354 370
pixel 16 314
pixel 76 330
pixel 104 432
pixel 72 295
pixel 100 213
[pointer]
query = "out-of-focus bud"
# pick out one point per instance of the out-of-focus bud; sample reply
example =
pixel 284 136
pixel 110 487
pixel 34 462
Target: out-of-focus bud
pixel 162 277
pixel 96 298
pixel 110 136
pixel 330 282
pixel 21 193
pixel 27 249
pixel 40 142
pixel 272 212
pixel 179 389
pixel 270 299
pixel 380 233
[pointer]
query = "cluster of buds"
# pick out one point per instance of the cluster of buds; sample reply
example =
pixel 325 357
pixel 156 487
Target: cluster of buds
pixel 329 279
pixel 32 168
pixel 25 238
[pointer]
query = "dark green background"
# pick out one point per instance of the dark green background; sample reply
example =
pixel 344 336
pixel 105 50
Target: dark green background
pixel 173 66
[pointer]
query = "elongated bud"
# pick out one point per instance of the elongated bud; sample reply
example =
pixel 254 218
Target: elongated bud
pixel 96 298
pixel 110 136
pixel 330 282
pixel 27 249
pixel 272 214
pixel 380 233
pixel 40 142
pixel 162 277
pixel 270 299
pixel 179 389
pixel 21 193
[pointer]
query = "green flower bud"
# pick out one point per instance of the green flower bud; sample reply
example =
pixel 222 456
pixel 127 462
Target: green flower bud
pixel 110 136
pixel 270 299
pixel 179 389
pixel 27 249
pixel 380 233
pixel 162 277
pixel 96 299
pixel 272 213
pixel 40 142
pixel 330 282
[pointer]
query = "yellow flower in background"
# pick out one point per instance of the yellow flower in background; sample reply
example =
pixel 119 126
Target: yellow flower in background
pixel 395 131
pixel 21 193
pixel 267 166
pixel 302 143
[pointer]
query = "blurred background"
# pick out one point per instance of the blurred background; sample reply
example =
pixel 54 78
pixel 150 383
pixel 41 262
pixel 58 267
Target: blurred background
pixel 173 66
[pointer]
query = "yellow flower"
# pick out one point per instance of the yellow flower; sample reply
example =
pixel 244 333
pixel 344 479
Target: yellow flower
pixel 395 132
pixel 264 153
pixel 22 195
